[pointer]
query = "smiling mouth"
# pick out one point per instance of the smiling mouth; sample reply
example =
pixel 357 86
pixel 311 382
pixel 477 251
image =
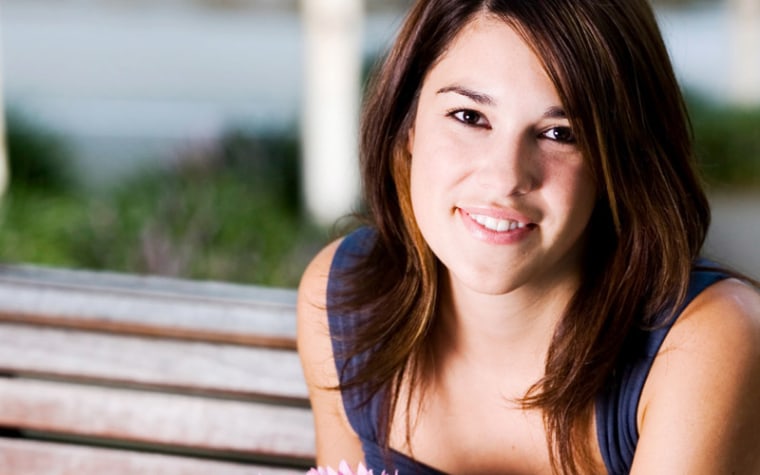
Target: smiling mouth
pixel 495 224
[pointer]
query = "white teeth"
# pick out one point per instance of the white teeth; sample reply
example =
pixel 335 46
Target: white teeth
pixel 498 225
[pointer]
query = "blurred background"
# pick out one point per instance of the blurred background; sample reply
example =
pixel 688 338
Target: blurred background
pixel 215 139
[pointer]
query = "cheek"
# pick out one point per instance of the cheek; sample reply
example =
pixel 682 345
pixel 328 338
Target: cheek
pixel 433 175
pixel 578 194
pixel 437 159
pixel 427 186
pixel 419 185
pixel 425 169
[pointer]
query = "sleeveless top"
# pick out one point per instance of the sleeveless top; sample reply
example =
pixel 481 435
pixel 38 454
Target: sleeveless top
pixel 615 406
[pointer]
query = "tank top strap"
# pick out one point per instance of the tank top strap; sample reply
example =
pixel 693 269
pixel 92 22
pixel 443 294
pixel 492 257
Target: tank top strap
pixel 343 328
pixel 617 405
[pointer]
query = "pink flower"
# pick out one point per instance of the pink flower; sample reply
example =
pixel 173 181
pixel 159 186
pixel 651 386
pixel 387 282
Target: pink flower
pixel 343 469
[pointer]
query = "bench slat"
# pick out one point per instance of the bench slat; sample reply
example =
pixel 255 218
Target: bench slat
pixel 261 321
pixel 175 376
pixel 22 457
pixel 239 429
pixel 143 284
pixel 232 370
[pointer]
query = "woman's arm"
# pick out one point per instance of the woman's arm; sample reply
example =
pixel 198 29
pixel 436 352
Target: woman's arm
pixel 700 407
pixel 335 439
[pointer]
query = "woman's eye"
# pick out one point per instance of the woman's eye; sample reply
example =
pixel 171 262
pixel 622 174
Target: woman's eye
pixel 560 134
pixel 468 116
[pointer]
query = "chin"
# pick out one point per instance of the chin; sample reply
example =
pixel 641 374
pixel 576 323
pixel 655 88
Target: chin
pixel 488 282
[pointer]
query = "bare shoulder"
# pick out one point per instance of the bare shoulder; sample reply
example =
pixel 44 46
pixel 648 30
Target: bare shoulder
pixel 698 411
pixel 719 331
pixel 312 329
pixel 313 283
pixel 335 439
pixel 726 313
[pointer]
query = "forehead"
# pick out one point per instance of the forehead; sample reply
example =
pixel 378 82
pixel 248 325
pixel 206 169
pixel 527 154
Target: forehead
pixel 490 54
pixel 493 36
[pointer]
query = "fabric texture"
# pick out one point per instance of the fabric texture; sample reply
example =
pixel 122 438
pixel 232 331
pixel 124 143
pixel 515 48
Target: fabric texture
pixel 615 409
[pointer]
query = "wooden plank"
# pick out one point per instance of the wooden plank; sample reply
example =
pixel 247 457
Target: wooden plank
pixel 144 284
pixel 24 457
pixel 246 430
pixel 223 369
pixel 128 304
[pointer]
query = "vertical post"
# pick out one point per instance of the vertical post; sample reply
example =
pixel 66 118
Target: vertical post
pixel 745 38
pixel 4 178
pixel 331 106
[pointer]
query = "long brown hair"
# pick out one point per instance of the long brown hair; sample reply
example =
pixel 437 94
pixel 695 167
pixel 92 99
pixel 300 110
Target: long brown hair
pixel 612 72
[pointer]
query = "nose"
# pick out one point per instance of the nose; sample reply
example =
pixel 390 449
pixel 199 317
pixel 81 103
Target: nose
pixel 508 166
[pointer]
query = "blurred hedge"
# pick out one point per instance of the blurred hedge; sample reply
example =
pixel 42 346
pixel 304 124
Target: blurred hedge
pixel 727 143
pixel 229 211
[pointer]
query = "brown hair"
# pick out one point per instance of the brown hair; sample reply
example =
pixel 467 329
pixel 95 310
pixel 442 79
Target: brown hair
pixel 611 69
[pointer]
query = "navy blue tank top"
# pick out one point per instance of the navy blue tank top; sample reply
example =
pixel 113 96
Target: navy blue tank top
pixel 616 406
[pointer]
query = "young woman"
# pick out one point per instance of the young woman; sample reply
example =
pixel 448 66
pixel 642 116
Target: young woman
pixel 527 295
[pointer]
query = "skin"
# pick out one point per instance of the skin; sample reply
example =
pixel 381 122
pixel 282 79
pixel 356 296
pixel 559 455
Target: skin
pixel 699 410
pixel 335 440
pixel 490 139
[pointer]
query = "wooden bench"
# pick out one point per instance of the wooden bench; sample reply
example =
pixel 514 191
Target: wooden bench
pixel 115 374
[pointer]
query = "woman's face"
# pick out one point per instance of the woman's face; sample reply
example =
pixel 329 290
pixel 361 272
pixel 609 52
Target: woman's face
pixel 499 188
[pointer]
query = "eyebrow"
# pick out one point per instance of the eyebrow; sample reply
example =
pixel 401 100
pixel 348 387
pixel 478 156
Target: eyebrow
pixel 478 97
pixel 554 112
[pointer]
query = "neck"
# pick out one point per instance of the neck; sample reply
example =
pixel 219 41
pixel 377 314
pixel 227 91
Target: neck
pixel 508 332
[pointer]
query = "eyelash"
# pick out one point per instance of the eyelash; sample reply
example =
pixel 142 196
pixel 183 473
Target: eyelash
pixel 567 137
pixel 455 114
pixel 560 134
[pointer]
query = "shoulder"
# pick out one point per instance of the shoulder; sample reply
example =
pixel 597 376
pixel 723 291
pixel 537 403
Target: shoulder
pixel 339 255
pixel 725 313
pixel 313 285
pixel 335 439
pixel 317 280
pixel 311 307
pixel 699 403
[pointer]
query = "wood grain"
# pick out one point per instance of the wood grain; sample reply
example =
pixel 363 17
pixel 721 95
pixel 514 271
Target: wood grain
pixel 123 374
pixel 21 457
pixel 130 304
pixel 222 369
pixel 235 428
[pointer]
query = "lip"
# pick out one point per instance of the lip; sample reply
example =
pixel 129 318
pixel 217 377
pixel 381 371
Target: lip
pixel 490 236
pixel 497 213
